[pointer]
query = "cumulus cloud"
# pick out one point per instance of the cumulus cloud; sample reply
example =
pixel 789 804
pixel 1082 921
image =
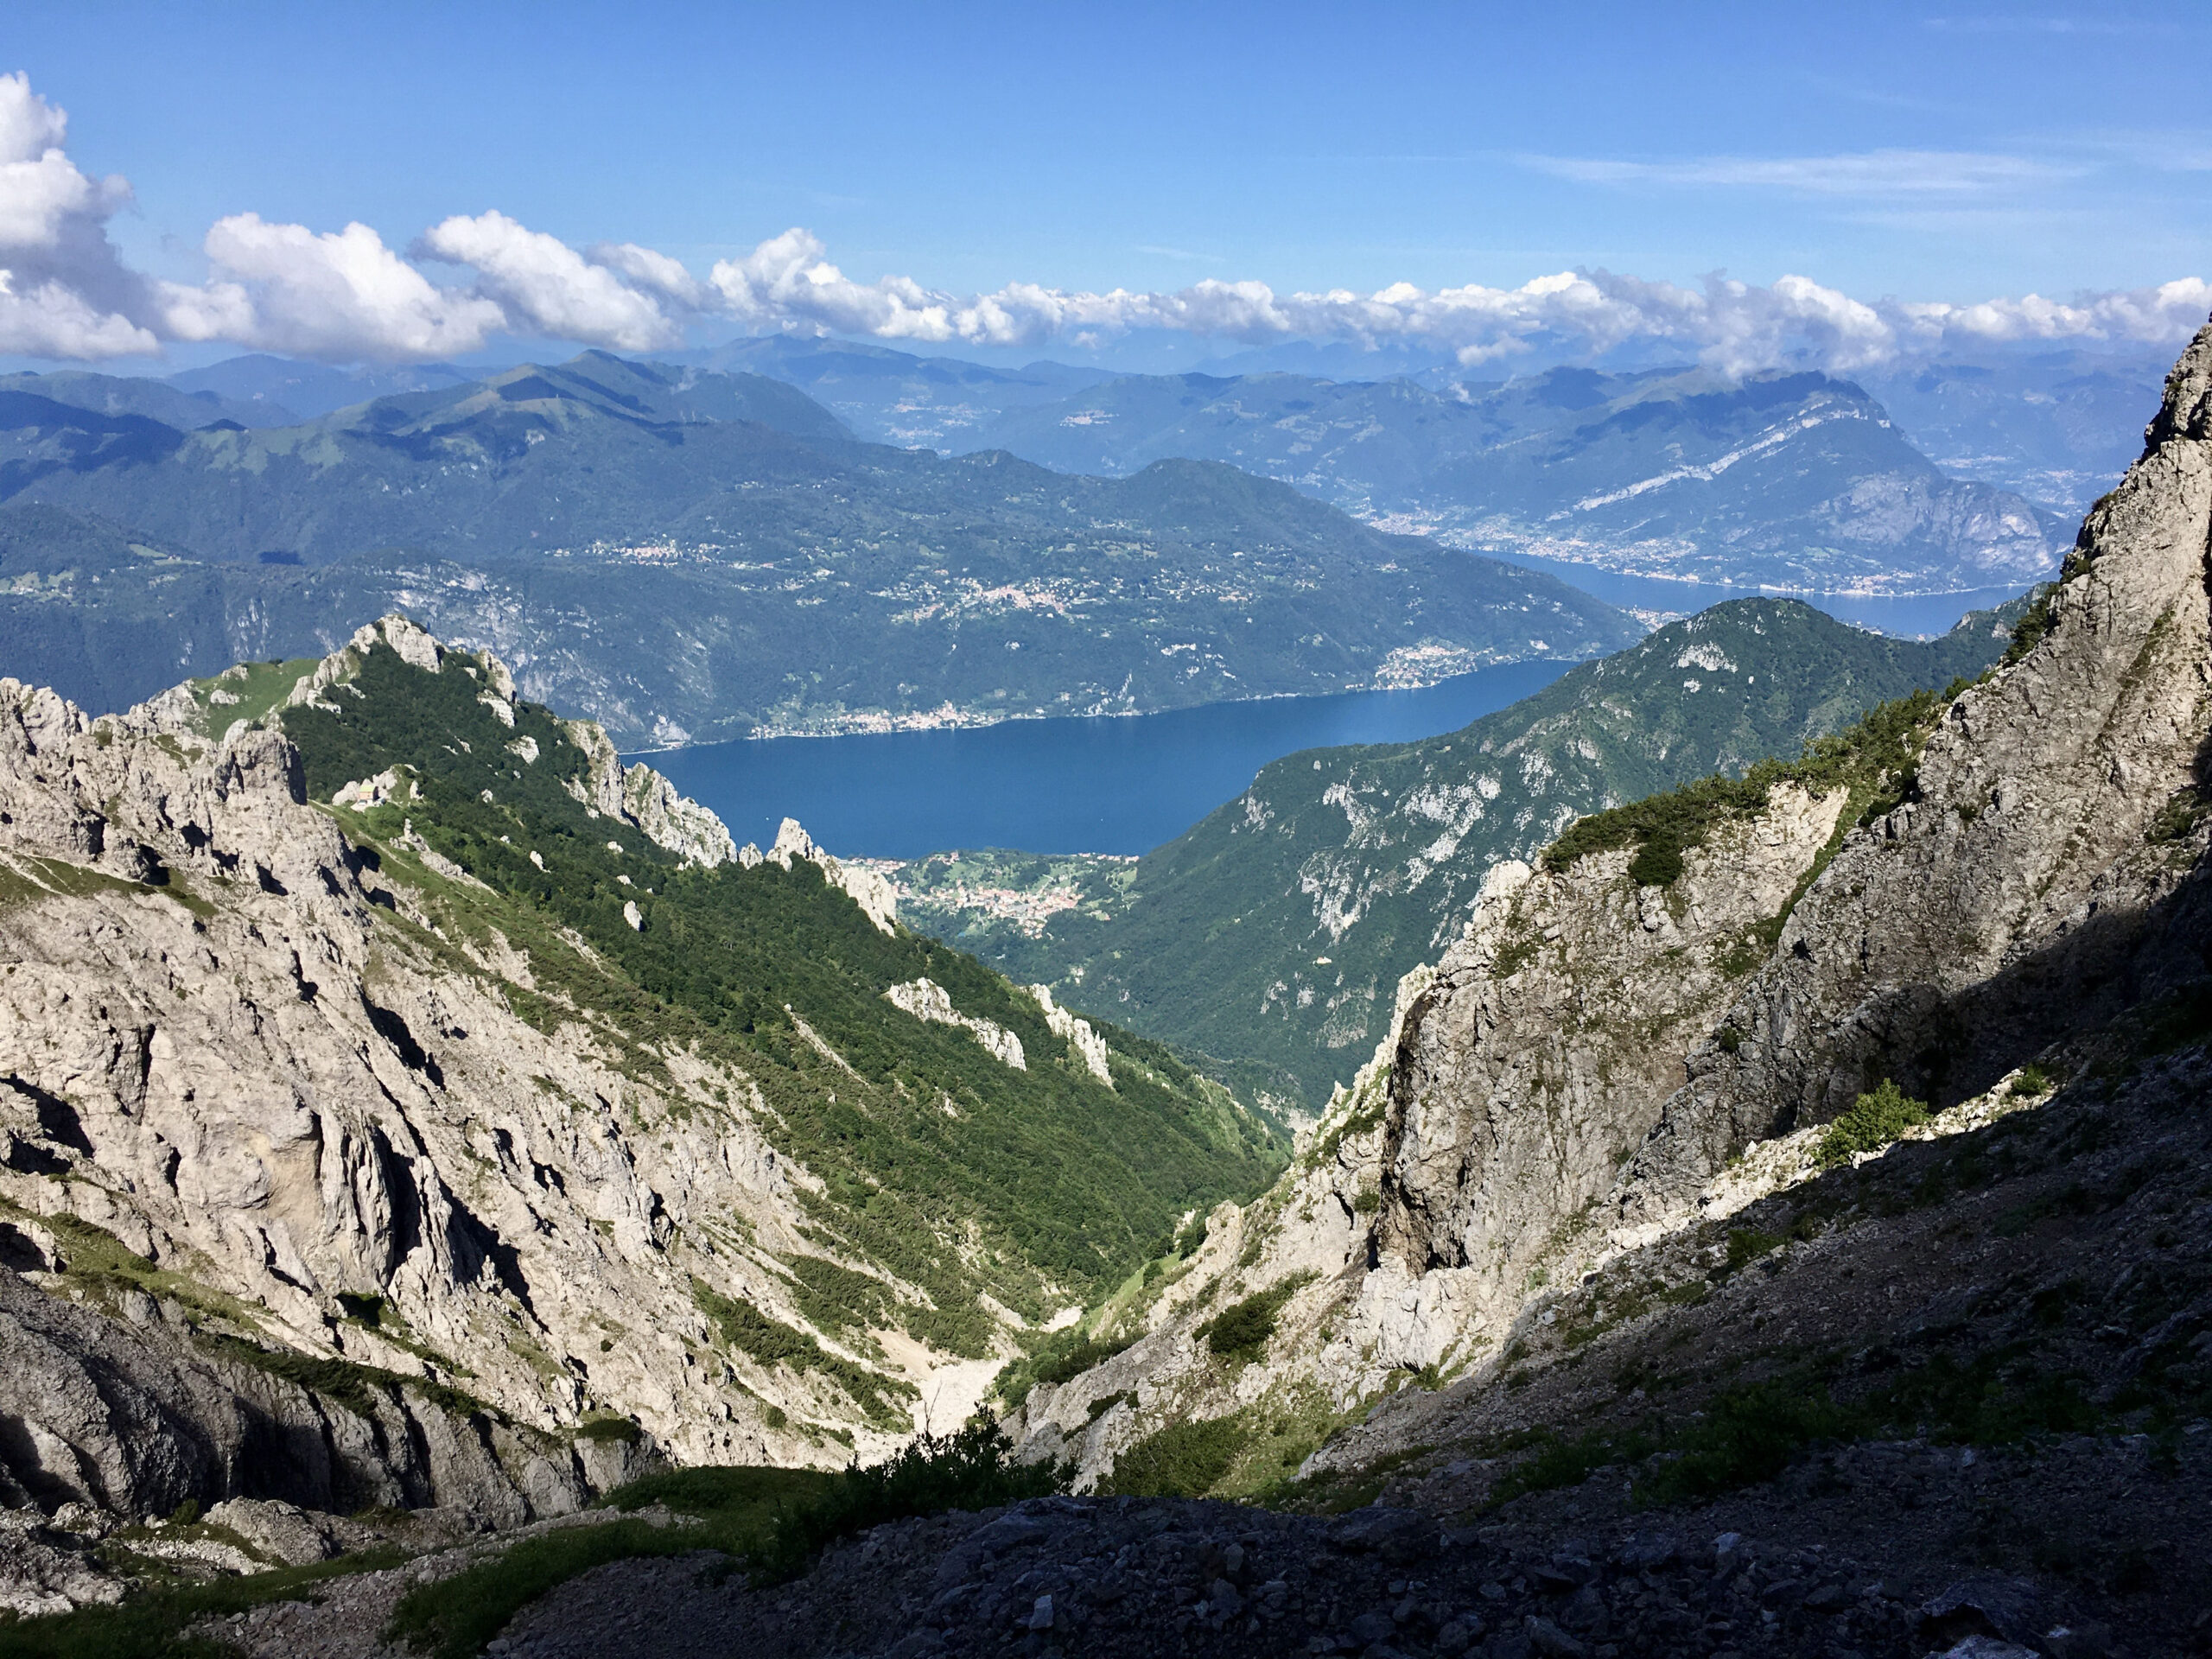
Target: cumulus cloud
pixel 546 285
pixel 64 292
pixel 653 271
pixel 788 282
pixel 346 296
pixel 340 295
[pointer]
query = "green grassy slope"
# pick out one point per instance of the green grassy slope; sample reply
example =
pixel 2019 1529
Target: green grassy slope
pixel 1275 930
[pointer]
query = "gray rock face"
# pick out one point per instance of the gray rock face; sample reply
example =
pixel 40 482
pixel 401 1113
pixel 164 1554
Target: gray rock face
pixel 2025 893
pixel 132 1417
pixel 1539 1057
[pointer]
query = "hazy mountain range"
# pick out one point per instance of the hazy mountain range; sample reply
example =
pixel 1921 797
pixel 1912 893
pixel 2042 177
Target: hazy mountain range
pixel 686 555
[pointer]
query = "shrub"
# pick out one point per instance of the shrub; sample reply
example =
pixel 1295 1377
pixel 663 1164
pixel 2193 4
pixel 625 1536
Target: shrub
pixel 2035 622
pixel 610 1428
pixel 1873 760
pixel 156 1623
pixel 1560 1463
pixel 970 1469
pixel 1748 1435
pixel 1062 1357
pixel 2032 1081
pixel 1873 1122
pixel 2178 818
pixel 1747 1244
pixel 1658 861
pixel 1182 1460
pixel 720 1490
pixel 770 1343
pixel 1241 1331
pixel 454 1617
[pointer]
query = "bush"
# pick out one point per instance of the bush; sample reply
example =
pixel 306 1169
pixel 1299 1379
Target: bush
pixel 1747 1244
pixel 1060 1358
pixel 1658 861
pixel 1559 1462
pixel 155 1624
pixel 1873 760
pixel 720 1489
pixel 610 1428
pixel 454 1617
pixel 2034 623
pixel 2032 1081
pixel 971 1469
pixel 1748 1435
pixel 1182 1460
pixel 1873 1122
pixel 1241 1331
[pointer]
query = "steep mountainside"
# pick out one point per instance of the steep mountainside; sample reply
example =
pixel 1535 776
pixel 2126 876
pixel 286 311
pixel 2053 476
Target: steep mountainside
pixel 1918 1025
pixel 690 556
pixel 1273 931
pixel 404 1102
pixel 1796 480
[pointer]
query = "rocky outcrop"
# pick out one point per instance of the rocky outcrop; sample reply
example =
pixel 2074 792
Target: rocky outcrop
pixel 1538 1058
pixel 1067 1023
pixel 930 1002
pixel 639 796
pixel 2038 881
pixel 870 889
pixel 125 1409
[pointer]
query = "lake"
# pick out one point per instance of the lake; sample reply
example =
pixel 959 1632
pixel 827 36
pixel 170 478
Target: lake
pixel 1119 785
pixel 1910 616
pixel 1126 785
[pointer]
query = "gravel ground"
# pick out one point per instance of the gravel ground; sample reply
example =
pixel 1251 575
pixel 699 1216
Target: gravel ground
pixel 1876 1551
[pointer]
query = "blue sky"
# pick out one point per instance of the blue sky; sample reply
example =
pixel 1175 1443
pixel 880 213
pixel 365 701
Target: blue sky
pixel 1944 154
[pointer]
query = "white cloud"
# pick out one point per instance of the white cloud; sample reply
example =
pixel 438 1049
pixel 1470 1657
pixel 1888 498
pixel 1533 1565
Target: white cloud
pixel 345 296
pixel 653 271
pixel 1735 327
pixel 339 295
pixel 2165 313
pixel 63 291
pixel 548 286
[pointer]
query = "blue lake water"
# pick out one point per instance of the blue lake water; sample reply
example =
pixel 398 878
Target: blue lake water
pixel 1125 785
pixel 1108 785
pixel 1916 616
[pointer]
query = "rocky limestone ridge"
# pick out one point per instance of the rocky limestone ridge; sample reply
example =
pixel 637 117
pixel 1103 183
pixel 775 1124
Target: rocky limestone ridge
pixel 1589 1056
pixel 870 889
pixel 1065 1022
pixel 1311 1230
pixel 1549 1023
pixel 636 795
pixel 931 1003
pixel 297 1206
